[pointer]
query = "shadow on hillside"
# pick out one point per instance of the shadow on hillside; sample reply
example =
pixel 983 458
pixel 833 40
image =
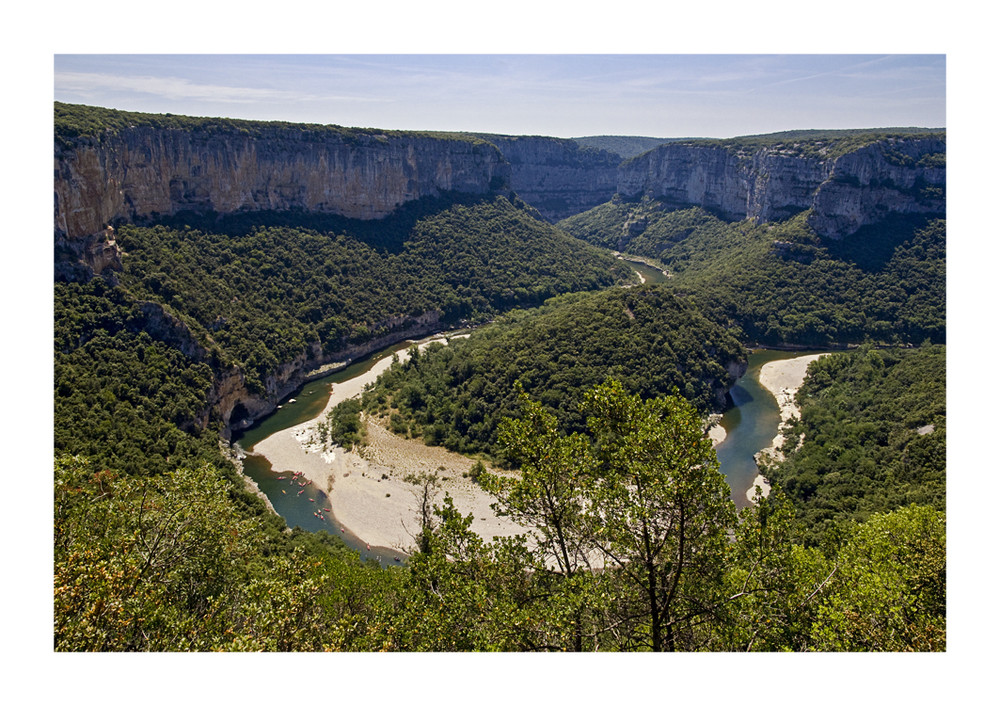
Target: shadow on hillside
pixel 872 246
pixel 386 234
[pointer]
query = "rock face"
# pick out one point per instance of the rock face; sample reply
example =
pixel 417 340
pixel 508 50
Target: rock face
pixel 238 406
pixel 141 172
pixel 560 178
pixel 896 175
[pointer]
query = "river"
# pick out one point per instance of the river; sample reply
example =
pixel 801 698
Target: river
pixel 649 274
pixel 299 505
pixel 751 424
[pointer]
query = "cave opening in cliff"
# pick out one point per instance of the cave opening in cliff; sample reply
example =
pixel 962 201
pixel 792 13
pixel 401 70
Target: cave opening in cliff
pixel 239 417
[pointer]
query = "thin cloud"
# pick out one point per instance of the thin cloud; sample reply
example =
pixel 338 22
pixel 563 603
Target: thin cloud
pixel 173 88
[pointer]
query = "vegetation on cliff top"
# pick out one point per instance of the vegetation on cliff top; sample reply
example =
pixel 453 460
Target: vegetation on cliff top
pixel 73 122
pixel 811 144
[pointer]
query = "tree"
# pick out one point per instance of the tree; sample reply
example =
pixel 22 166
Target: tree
pixel 888 593
pixel 426 486
pixel 658 510
pixel 774 584
pixel 545 496
pixel 171 563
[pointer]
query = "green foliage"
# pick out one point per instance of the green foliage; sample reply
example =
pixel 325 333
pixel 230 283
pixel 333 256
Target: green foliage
pixel 456 395
pixel 545 493
pixel 264 296
pixel 814 144
pixel 780 283
pixel 344 425
pixel 123 398
pixel 641 496
pixel 158 545
pixel 659 512
pixel 889 590
pixel 73 122
pixel 874 426
pixel 773 582
pixel 160 564
pixel 172 563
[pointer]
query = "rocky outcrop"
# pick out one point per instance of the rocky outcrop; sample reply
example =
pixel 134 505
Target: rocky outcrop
pixel 864 186
pixel 137 173
pixel 231 400
pixel 238 406
pixel 559 178
pixel 869 184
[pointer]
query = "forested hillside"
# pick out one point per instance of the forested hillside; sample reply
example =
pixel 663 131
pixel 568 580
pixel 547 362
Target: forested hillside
pixel 779 282
pixel 643 336
pixel 873 430
pixel 264 293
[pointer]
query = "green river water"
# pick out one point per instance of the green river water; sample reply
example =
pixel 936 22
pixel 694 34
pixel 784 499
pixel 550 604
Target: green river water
pixel 751 424
pixel 281 489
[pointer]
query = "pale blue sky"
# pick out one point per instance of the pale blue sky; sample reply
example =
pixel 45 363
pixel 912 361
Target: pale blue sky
pixel 660 95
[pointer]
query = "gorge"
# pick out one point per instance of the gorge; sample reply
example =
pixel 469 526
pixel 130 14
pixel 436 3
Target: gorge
pixel 207 270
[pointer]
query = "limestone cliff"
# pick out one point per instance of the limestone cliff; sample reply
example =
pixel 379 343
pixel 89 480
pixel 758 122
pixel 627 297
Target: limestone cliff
pixel 140 172
pixel 845 192
pixel 558 177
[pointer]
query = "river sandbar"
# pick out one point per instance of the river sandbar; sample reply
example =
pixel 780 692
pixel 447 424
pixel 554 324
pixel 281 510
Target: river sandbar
pixel 782 378
pixel 367 490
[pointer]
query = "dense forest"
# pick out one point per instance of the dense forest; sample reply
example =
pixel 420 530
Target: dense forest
pixel 592 393
pixel 456 395
pixel 779 282
pixel 873 437
pixel 262 288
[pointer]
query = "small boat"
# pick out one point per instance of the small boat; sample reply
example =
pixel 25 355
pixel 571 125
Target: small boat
pixel 283 491
pixel 326 509
pixel 301 491
pixel 312 500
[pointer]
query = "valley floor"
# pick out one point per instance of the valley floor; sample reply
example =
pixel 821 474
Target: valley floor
pixel 367 490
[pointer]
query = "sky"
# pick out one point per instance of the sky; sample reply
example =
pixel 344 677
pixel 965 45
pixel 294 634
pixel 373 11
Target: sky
pixel 560 95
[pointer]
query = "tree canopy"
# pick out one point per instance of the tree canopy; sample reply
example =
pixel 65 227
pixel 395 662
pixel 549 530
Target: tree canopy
pixel 653 342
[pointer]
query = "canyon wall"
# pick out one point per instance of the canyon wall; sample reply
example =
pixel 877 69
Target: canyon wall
pixel 863 186
pixel 559 178
pixel 142 172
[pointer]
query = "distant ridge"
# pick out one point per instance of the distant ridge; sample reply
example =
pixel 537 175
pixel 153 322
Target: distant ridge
pixel 624 145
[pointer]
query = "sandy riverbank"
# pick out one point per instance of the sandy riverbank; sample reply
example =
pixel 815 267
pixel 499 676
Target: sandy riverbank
pixel 782 378
pixel 717 434
pixel 367 490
